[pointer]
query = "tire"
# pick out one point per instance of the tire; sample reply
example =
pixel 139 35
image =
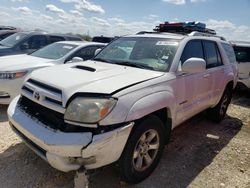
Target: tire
pixel 218 112
pixel 135 164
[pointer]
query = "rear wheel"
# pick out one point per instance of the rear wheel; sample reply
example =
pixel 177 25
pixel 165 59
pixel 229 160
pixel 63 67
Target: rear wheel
pixel 218 112
pixel 143 150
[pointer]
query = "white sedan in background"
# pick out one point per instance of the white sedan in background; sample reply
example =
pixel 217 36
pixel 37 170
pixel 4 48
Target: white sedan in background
pixel 14 68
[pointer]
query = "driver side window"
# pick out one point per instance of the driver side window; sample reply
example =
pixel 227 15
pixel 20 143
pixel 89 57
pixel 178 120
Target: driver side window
pixel 192 49
pixel 87 52
pixel 35 42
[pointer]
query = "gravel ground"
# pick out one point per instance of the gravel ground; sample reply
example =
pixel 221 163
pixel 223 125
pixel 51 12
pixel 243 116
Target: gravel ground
pixel 200 154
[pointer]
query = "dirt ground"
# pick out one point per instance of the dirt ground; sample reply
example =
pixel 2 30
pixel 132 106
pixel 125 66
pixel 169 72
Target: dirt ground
pixel 200 154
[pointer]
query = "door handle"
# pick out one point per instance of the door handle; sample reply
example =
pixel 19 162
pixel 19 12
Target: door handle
pixel 206 75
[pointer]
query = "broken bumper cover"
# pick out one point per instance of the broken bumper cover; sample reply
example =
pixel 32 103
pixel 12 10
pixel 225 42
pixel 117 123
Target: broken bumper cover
pixel 68 151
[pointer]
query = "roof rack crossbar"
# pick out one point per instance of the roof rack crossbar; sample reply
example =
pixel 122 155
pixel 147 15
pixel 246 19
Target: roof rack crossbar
pixel 197 33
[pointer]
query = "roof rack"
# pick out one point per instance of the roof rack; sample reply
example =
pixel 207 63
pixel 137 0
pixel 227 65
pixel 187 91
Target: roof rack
pixel 183 27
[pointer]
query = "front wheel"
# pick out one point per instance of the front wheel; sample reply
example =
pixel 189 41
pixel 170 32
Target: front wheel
pixel 143 150
pixel 218 112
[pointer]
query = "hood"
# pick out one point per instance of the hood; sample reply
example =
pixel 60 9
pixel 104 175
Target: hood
pixel 92 77
pixel 21 62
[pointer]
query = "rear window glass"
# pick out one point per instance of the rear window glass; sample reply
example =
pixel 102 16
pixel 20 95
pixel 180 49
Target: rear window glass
pixel 230 52
pixel 242 54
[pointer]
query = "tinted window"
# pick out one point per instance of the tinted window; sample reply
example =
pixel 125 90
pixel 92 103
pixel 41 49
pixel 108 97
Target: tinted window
pixel 230 52
pixel 55 39
pixel 242 54
pixel 192 49
pixel 36 42
pixel 87 52
pixel 13 39
pixel 213 58
pixel 102 39
pixel 74 39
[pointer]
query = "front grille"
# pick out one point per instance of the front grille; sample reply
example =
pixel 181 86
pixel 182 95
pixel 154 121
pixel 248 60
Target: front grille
pixel 50 95
pixel 45 86
pixel 48 117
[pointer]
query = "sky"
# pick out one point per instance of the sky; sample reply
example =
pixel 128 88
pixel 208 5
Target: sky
pixel 230 18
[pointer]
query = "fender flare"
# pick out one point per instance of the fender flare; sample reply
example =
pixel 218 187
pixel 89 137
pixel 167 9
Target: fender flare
pixel 152 103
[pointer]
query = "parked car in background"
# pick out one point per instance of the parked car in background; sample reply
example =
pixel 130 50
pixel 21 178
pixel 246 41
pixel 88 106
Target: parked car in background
pixel 28 42
pixel 14 68
pixel 5 33
pixel 102 39
pixel 8 28
pixel 242 53
pixel 122 105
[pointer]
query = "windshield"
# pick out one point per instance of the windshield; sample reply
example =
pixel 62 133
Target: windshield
pixel 54 51
pixel 141 52
pixel 13 39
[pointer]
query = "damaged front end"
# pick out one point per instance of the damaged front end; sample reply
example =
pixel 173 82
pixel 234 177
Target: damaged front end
pixel 66 147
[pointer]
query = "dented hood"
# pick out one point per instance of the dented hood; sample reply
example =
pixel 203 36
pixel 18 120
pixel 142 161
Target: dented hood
pixel 92 77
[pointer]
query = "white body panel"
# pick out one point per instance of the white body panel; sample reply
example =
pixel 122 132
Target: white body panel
pixel 244 73
pixel 139 92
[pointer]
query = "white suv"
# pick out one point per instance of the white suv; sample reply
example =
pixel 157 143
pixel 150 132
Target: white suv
pixel 122 105
pixel 242 53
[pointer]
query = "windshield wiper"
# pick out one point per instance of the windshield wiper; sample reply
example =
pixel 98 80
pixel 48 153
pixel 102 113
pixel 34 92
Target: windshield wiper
pixel 132 64
pixel 103 60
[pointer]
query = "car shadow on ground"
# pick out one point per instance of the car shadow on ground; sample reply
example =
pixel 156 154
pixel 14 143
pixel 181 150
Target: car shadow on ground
pixel 241 97
pixel 3 113
pixel 21 167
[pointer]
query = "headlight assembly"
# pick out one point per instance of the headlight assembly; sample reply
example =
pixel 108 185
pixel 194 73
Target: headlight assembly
pixel 88 110
pixel 12 75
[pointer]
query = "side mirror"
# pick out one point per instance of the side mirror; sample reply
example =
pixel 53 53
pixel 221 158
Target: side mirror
pixel 24 46
pixel 76 59
pixel 97 51
pixel 194 65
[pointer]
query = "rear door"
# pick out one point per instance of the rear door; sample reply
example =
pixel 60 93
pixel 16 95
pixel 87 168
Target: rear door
pixel 215 70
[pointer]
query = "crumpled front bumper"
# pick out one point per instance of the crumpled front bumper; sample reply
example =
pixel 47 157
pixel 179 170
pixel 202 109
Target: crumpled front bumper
pixel 68 151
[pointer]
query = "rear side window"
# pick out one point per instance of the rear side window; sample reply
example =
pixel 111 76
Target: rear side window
pixel 56 39
pixel 242 54
pixel 230 52
pixel 213 58
pixel 192 49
